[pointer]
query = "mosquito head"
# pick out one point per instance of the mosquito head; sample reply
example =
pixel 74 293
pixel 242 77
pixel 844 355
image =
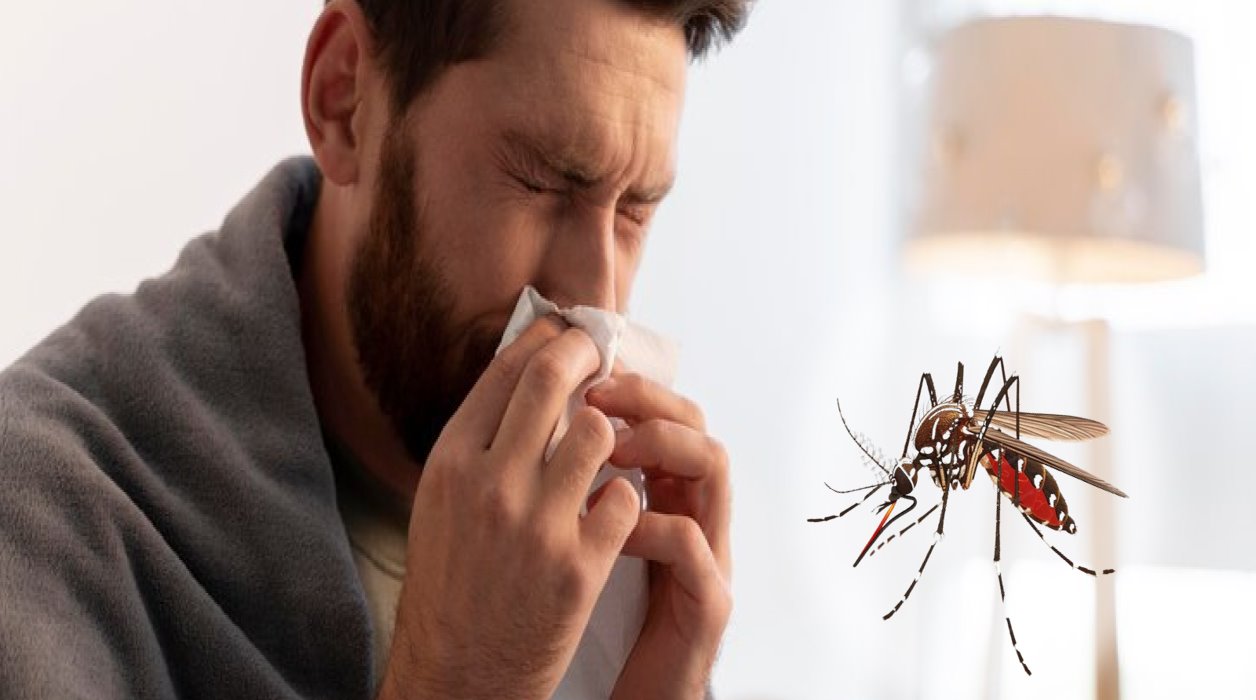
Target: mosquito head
pixel 901 481
pixel 901 484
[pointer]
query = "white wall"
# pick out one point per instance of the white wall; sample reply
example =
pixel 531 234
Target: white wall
pixel 770 265
pixel 126 128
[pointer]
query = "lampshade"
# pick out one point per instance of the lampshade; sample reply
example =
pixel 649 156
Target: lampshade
pixel 1061 150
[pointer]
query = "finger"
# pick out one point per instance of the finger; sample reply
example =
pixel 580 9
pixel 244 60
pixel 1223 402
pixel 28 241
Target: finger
pixel 577 459
pixel 481 412
pixel 635 398
pixel 540 398
pixel 614 510
pixel 676 541
pixel 671 451
pixel 669 447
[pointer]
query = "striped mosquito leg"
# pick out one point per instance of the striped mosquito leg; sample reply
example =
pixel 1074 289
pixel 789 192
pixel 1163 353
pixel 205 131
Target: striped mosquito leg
pixel 998 570
pixel 889 539
pixel 926 381
pixel 937 537
pixel 1058 553
pixel 985 382
pixel 848 509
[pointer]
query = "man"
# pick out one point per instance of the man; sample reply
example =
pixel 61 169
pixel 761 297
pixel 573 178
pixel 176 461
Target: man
pixel 174 465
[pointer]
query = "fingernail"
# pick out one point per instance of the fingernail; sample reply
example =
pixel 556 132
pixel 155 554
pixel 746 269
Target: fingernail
pixel 623 435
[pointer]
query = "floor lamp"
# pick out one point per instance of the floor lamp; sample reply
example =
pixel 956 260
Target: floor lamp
pixel 1063 151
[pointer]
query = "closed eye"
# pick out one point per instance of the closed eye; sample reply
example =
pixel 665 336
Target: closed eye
pixel 534 186
pixel 638 215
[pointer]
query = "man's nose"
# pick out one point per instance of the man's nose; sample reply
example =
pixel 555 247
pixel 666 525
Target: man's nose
pixel 580 264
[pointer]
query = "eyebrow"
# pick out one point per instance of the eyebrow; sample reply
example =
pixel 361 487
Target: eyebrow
pixel 577 174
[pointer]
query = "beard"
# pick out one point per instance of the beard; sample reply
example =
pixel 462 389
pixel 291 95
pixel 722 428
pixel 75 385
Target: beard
pixel 416 360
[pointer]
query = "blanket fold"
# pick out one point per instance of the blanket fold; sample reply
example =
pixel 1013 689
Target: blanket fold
pixel 168 522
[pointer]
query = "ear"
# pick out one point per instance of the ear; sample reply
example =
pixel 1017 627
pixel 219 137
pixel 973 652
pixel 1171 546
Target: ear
pixel 334 81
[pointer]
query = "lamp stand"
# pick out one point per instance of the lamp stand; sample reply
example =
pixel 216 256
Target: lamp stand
pixel 1103 540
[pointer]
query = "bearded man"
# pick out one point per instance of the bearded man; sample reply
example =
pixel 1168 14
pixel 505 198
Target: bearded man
pixel 294 466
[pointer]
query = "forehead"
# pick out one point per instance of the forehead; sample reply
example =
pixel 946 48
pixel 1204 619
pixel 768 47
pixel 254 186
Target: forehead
pixel 583 68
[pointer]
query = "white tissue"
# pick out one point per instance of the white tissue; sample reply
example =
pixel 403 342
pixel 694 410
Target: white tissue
pixel 620 610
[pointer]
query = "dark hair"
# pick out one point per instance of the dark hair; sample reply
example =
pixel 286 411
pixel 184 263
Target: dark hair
pixel 417 39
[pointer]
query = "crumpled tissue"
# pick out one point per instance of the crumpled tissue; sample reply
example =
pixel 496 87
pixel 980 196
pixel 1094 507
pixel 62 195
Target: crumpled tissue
pixel 620 610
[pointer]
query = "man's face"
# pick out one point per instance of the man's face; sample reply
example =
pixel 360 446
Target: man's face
pixel 542 164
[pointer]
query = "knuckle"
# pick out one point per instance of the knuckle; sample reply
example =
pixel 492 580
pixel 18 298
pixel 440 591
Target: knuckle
pixel 558 570
pixel 719 455
pixel 571 583
pixel 634 383
pixel 509 362
pixel 513 359
pixel 570 576
pixel 549 326
pixel 580 339
pixel 592 426
pixel 548 372
pixel 498 505
pixel 691 538
pixel 719 605
pixel 623 507
pixel 653 430
pixel 692 414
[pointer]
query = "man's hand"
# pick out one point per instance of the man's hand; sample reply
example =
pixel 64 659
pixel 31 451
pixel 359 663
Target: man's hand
pixel 503 570
pixel 684 534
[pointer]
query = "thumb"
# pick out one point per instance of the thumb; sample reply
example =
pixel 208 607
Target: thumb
pixel 614 509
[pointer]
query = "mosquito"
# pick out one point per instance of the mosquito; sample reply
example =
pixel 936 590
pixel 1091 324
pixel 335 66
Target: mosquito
pixel 954 438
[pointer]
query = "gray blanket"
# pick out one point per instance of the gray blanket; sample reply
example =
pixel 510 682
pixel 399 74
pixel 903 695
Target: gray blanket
pixel 168 522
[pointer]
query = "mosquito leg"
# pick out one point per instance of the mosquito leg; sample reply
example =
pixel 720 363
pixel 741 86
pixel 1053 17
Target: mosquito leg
pixel 998 569
pixel 985 382
pixel 1060 554
pixel 978 446
pixel 848 508
pixel 937 537
pixel 999 398
pixel 959 383
pixel 1008 403
pixel 926 381
pixel 914 523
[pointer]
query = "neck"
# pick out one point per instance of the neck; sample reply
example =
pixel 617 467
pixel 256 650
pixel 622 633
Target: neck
pixel 346 408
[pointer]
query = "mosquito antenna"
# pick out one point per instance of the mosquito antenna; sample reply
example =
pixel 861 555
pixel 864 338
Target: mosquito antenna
pixel 876 452
pixel 861 488
pixel 858 440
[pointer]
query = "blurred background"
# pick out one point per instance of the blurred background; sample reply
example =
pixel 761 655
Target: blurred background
pixel 803 257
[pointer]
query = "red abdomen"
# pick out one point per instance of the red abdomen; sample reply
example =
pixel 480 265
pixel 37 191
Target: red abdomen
pixel 1030 487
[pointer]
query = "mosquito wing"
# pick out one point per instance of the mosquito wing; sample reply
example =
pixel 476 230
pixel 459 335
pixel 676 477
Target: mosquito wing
pixel 1013 445
pixel 1051 426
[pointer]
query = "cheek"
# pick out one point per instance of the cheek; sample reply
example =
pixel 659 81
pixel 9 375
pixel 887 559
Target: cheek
pixel 487 253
